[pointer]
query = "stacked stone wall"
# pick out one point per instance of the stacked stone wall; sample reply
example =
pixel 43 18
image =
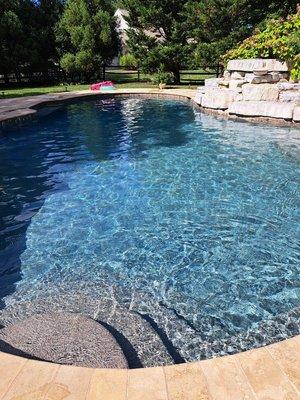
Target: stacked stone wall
pixel 253 88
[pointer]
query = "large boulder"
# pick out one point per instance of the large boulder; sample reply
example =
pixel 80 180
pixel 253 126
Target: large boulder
pixel 257 64
pixel 271 109
pixel 289 95
pixel 236 83
pixel 288 86
pixel 212 82
pixel 237 75
pixel 252 78
pixel 218 98
pixel 63 338
pixel 263 92
pixel 296 115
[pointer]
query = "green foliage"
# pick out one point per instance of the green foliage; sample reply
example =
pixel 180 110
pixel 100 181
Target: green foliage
pixel 163 77
pixel 218 25
pixel 128 60
pixel 27 35
pixel 280 39
pixel 158 34
pixel 87 37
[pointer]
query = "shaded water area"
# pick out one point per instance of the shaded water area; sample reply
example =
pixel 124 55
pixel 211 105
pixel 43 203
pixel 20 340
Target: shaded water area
pixel 177 231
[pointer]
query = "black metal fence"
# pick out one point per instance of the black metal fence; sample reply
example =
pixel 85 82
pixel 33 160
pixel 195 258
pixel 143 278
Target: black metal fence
pixel 117 74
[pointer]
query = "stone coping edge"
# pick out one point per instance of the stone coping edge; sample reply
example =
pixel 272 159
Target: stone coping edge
pixel 271 372
pixel 28 107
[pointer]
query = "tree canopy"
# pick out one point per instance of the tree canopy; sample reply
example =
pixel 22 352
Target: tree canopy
pixel 27 37
pixel 280 38
pixel 86 36
pixel 164 35
pixel 219 25
pixel 158 37
pixel 194 32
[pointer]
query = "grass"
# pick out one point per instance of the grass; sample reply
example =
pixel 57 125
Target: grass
pixel 34 91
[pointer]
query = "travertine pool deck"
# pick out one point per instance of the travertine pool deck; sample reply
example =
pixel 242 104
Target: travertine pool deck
pixel 269 373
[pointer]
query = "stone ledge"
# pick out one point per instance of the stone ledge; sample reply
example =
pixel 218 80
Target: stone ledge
pixel 218 98
pixel 250 65
pixel 272 372
pixel 271 109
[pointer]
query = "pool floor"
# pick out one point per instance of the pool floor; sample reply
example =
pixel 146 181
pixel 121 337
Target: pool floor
pixel 177 229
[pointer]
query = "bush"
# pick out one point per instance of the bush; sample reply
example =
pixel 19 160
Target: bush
pixel 280 39
pixel 163 77
pixel 128 60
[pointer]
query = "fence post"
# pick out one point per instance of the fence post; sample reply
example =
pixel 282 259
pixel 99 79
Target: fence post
pixel 103 72
pixel 138 74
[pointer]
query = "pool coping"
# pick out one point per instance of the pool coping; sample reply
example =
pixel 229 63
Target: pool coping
pixel 270 372
pixel 267 373
pixel 20 109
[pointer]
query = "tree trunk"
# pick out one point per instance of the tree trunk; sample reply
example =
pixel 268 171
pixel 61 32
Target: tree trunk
pixel 6 78
pixel 176 73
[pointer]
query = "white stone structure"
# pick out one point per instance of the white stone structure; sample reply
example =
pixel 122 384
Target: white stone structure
pixel 253 88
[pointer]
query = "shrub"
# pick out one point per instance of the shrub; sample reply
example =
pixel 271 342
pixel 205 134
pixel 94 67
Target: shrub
pixel 128 60
pixel 163 77
pixel 280 39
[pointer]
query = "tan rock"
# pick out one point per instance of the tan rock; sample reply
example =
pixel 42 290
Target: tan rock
pixel 263 92
pixel 257 64
pixel 218 98
pixel 296 115
pixel 212 82
pixel 289 95
pixel 271 109
pixel 236 83
pixel 276 77
pixel 260 72
pixel 239 97
pixel 224 82
pixel 198 97
pixel 288 86
pixel 237 75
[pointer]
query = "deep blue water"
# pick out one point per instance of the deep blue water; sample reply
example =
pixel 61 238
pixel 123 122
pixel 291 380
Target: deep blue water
pixel 183 217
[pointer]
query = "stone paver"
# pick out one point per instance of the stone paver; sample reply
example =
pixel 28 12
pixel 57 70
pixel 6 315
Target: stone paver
pixel 187 380
pixel 32 382
pixel 147 384
pixel 266 378
pixel 269 373
pixel 108 385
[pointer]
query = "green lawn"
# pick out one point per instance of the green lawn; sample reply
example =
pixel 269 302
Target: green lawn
pixel 20 92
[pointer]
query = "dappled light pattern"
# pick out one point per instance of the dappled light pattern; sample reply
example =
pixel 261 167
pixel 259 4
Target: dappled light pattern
pixel 149 206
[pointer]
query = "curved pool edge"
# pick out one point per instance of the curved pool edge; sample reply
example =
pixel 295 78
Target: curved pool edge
pixel 20 109
pixel 270 372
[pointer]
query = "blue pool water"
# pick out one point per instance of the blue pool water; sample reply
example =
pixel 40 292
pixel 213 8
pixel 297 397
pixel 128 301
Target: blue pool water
pixel 151 209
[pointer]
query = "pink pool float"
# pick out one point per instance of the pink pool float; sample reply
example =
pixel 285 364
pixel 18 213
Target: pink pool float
pixel 105 85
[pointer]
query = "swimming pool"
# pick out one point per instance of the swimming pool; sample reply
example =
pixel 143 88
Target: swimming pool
pixel 175 228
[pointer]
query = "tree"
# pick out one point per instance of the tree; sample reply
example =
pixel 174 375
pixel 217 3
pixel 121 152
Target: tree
pixel 50 11
pixel 158 38
pixel 86 36
pixel 27 40
pixel 279 39
pixel 10 35
pixel 218 25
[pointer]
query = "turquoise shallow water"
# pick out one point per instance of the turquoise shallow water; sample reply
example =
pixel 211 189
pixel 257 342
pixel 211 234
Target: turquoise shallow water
pixel 190 221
